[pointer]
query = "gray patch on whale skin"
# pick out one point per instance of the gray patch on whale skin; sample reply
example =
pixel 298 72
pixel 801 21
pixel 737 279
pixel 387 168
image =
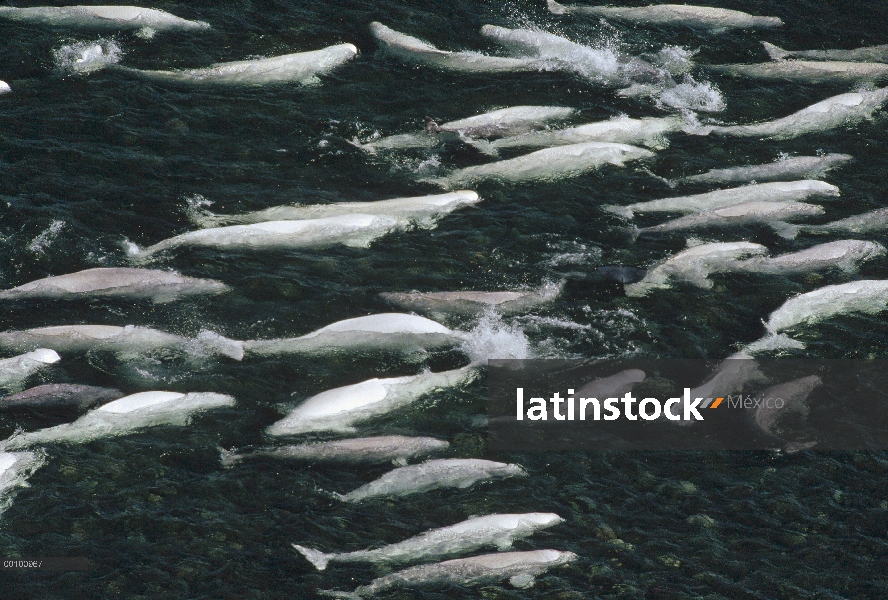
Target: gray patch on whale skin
pixel 804 71
pixel 497 530
pixel 520 568
pixel 101 17
pixel 61 395
pixel 878 54
pixel 772 214
pixel 473 303
pixel 788 169
pixel 457 473
pixel 154 285
pixel 699 17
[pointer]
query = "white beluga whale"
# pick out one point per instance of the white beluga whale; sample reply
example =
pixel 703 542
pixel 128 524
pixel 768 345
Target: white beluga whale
pixel 550 164
pixel 415 50
pixel 698 17
pixel 868 54
pixel 423 211
pixel 497 530
pixel 14 371
pixel 612 385
pixel 102 18
pixel 126 341
pixel 124 416
pixel 300 67
pixel 846 255
pixel 386 331
pixel 472 303
pixel 843 110
pixel 395 448
pixel 694 266
pixel 519 568
pixel 354 230
pixel 785 169
pixel 870 222
pixel 807 71
pixel 778 191
pixel 116 282
pixel 772 214
pixel 15 468
pixel 60 395
pixel 340 409
pixel 458 473
pixel 647 131
pixel 793 395
pixel 4 88
pixel 513 120
pixel 728 378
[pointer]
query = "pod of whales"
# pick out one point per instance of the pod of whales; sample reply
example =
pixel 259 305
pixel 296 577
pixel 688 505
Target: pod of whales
pixel 101 17
pixel 154 285
pixel 301 67
pixel 549 164
pixel 395 448
pixel 124 416
pixel 473 303
pixel 432 475
pixel 869 54
pixel 61 395
pixel 786 169
pixel 386 331
pixel 498 530
pixel 423 211
pixel 341 408
pixel 772 214
pixel 520 568
pixel 806 71
pixel 792 191
pixel 15 468
pixel 13 371
pixel 700 17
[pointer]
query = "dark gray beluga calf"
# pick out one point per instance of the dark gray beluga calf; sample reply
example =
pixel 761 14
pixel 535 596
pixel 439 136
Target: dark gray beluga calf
pixel 61 395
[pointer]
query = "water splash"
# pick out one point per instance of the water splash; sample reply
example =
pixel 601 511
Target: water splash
pixel 691 95
pixel 492 338
pixel 46 237
pixel 86 57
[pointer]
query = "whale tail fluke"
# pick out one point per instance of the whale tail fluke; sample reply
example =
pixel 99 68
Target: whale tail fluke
pixel 786 230
pixel 482 146
pixel 431 126
pixel 229 458
pixel 775 52
pixel 621 273
pixel 555 8
pixel 315 557
pixel 621 211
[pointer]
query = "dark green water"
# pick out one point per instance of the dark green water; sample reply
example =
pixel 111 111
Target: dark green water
pixel 88 161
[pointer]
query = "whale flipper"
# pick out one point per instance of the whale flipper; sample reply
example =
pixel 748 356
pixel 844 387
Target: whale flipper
pixel 622 274
pixel 775 52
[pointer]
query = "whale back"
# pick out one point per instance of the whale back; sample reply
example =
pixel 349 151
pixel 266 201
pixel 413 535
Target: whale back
pixel 139 401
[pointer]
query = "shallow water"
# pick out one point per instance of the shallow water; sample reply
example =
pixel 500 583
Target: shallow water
pixel 89 161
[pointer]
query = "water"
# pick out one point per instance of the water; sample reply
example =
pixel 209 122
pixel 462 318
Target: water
pixel 92 160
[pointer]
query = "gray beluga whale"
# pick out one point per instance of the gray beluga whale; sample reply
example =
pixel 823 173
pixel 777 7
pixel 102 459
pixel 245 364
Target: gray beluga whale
pixel 843 110
pixel 102 18
pixel 786 169
pixel 793 394
pixel 126 341
pixel 772 214
pixel 341 408
pixel 647 131
pixel 777 191
pixel 498 530
pixel 422 211
pixel 385 331
pixel 124 416
pixel 868 54
pixel 415 50
pixel 846 255
pixel 728 377
pixel 866 296
pixel 694 265
pixel 300 67
pixel 513 120
pixel 61 395
pixel 473 302
pixel 432 475
pixel 155 285
pixel 15 468
pixel 520 568
pixel 870 222
pixel 395 448
pixel 13 371
pixel 699 17
pixel 354 230
pixel 806 71
pixel 549 164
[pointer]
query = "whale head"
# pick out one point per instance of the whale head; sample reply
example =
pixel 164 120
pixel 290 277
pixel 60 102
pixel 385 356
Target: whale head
pixel 541 520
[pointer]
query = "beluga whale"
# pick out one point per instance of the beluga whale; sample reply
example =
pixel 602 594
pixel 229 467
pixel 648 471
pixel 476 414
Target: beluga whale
pixel 415 50
pixel 793 393
pixel 697 17
pixel 877 54
pixel 4 88
pixel 385 331
pixel 497 530
pixel 843 110
pixel 784 169
pixel 871 222
pixel 15 468
pixel 550 164
pixel 108 18
pixel 846 255
pixel 422 211
pixel 806 71
pixel 124 416
pixel 353 230
pixel 473 303
pixel 60 395
pixel 13 371
pixel 772 214
pixel 519 568
pixel 116 282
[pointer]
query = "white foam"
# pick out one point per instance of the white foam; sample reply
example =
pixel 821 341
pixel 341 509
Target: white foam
pixel 46 237
pixel 492 338
pixel 86 57
pixel 691 95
